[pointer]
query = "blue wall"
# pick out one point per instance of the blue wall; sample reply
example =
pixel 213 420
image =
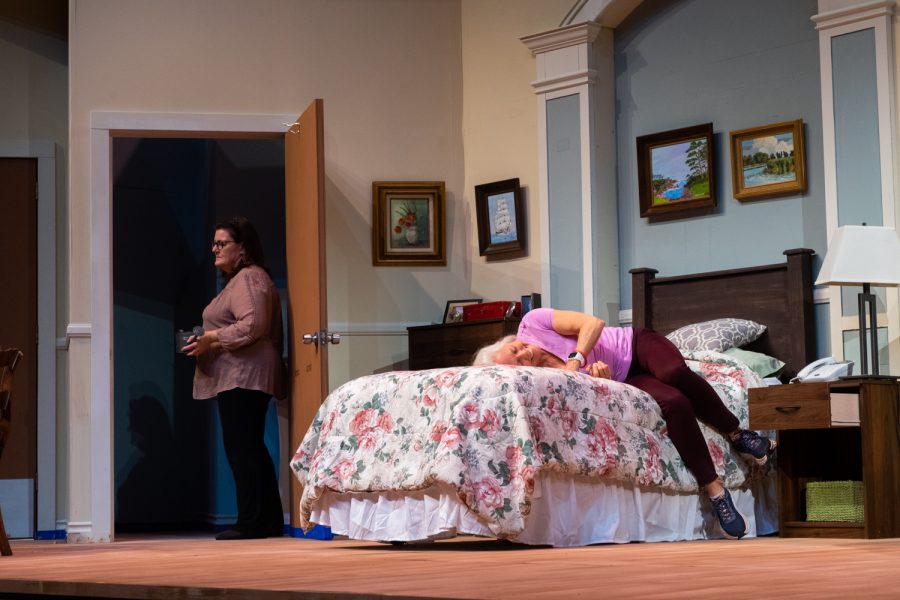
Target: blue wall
pixel 564 198
pixel 738 65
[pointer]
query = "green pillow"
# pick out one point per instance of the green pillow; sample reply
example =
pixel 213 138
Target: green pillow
pixel 762 364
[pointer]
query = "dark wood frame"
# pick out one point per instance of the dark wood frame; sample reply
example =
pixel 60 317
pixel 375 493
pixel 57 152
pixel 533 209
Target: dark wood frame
pixel 483 194
pixel 382 194
pixel 798 186
pixel 645 146
pixel 779 296
pixel 453 303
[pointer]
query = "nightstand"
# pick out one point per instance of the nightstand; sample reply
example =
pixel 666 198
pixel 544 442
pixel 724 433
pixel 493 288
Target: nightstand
pixel 841 430
pixel 454 344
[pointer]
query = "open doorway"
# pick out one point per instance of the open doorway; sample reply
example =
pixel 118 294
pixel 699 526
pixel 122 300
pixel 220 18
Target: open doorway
pixel 170 469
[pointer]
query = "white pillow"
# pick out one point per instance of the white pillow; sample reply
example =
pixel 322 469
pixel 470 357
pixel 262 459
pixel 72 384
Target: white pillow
pixel 717 335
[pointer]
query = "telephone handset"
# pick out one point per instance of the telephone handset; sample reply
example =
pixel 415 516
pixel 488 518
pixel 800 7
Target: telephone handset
pixel 824 369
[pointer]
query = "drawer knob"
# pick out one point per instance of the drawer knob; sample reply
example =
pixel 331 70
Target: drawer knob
pixel 787 409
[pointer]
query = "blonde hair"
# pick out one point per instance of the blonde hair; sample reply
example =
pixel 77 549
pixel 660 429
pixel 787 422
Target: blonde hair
pixel 485 356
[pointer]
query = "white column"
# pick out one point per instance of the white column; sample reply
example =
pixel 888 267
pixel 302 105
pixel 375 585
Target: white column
pixel 847 18
pixel 570 60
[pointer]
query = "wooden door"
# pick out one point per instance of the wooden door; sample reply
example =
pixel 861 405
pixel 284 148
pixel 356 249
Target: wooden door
pixel 304 216
pixel 18 328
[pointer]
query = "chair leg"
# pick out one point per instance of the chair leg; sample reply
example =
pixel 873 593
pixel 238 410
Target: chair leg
pixel 5 550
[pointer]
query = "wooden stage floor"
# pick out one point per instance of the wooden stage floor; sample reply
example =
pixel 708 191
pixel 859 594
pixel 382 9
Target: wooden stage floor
pixel 199 567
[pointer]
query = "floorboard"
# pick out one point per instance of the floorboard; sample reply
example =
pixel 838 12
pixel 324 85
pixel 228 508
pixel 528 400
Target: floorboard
pixel 467 568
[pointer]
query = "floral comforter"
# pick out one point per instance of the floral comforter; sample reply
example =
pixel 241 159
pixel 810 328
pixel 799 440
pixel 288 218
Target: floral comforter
pixel 486 431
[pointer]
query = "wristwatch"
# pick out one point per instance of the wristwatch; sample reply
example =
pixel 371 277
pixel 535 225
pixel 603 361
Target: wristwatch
pixel 577 356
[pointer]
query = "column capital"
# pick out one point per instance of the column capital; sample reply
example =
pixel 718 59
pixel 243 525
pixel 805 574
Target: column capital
pixel 851 14
pixel 561 37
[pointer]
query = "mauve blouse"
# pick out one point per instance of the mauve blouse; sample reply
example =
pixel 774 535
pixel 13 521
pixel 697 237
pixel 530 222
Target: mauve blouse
pixel 247 313
pixel 614 346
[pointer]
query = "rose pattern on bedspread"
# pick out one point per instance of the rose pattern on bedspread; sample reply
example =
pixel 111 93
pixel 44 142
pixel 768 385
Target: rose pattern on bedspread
pixel 487 431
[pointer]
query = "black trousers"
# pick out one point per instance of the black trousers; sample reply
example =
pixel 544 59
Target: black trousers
pixel 243 417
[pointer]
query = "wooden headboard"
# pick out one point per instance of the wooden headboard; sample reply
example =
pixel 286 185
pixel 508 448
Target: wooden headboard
pixel 779 296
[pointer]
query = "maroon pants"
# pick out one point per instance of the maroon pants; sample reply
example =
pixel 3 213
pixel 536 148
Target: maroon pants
pixel 658 368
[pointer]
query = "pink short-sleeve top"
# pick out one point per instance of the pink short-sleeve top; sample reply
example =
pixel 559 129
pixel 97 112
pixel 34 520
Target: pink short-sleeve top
pixel 613 348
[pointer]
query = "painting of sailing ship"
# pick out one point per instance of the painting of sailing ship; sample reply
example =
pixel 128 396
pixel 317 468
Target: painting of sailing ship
pixel 502 218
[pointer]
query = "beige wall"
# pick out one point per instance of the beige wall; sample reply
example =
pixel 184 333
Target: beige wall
pixel 33 74
pixel 397 78
pixel 500 127
pixel 390 76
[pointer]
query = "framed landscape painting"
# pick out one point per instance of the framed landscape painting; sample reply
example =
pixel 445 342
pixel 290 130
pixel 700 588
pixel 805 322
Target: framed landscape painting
pixel 768 161
pixel 408 223
pixel 675 171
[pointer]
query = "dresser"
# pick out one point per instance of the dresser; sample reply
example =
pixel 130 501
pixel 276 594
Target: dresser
pixel 454 344
pixel 840 430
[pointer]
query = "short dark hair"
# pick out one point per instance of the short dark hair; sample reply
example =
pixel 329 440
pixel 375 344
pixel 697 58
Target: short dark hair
pixel 243 232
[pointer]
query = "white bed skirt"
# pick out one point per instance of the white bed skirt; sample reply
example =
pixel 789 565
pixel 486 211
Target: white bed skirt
pixel 565 511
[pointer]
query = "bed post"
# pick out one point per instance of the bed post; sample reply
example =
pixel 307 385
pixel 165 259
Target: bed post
pixel 800 303
pixel 640 296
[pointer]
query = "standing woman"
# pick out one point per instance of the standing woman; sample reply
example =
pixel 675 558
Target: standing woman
pixel 239 363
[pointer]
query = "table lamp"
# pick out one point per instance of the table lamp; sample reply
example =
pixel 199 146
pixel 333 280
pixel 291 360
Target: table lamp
pixel 866 256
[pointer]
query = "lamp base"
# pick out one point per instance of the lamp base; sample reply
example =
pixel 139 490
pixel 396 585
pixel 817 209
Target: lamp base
pixel 885 378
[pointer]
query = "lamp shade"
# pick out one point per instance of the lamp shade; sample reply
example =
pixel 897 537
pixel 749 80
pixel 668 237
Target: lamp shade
pixel 859 254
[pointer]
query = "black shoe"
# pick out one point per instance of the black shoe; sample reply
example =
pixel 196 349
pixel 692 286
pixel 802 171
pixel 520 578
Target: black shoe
pixel 753 446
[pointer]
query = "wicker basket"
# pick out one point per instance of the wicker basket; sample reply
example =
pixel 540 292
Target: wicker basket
pixel 834 501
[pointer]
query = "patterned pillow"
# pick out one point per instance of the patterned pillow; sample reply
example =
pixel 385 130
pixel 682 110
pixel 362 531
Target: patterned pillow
pixel 717 335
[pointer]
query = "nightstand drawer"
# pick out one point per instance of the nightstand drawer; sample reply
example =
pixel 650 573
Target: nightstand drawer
pixel 805 406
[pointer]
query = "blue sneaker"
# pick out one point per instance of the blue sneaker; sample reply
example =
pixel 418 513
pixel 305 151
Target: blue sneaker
pixel 753 446
pixel 733 523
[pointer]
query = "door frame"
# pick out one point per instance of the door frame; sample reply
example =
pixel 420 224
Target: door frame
pixel 45 153
pixel 105 126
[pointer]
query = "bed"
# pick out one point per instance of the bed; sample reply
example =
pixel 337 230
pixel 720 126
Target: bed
pixel 548 457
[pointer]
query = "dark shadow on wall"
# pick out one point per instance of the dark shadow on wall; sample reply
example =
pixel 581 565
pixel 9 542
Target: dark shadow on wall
pixel 167 195
pixel 147 494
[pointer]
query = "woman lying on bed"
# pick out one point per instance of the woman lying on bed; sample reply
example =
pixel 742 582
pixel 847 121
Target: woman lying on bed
pixel 646 360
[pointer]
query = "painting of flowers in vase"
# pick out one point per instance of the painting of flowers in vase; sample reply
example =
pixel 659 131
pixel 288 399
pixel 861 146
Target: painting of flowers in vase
pixel 408 223
pixel 410 220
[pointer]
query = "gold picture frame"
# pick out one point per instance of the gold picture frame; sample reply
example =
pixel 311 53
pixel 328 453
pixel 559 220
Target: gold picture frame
pixel 408 224
pixel 768 161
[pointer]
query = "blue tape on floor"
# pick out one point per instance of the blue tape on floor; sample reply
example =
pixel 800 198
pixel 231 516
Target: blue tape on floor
pixel 51 534
pixel 318 532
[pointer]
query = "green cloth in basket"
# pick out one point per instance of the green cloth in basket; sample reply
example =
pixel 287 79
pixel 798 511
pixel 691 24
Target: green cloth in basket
pixel 834 501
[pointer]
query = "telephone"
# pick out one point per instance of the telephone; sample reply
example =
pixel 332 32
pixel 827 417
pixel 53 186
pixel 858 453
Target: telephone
pixel 824 369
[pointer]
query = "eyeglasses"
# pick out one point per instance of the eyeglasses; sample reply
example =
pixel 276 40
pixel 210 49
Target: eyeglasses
pixel 219 244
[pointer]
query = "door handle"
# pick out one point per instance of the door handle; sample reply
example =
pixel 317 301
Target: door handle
pixel 323 336
pixel 311 338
